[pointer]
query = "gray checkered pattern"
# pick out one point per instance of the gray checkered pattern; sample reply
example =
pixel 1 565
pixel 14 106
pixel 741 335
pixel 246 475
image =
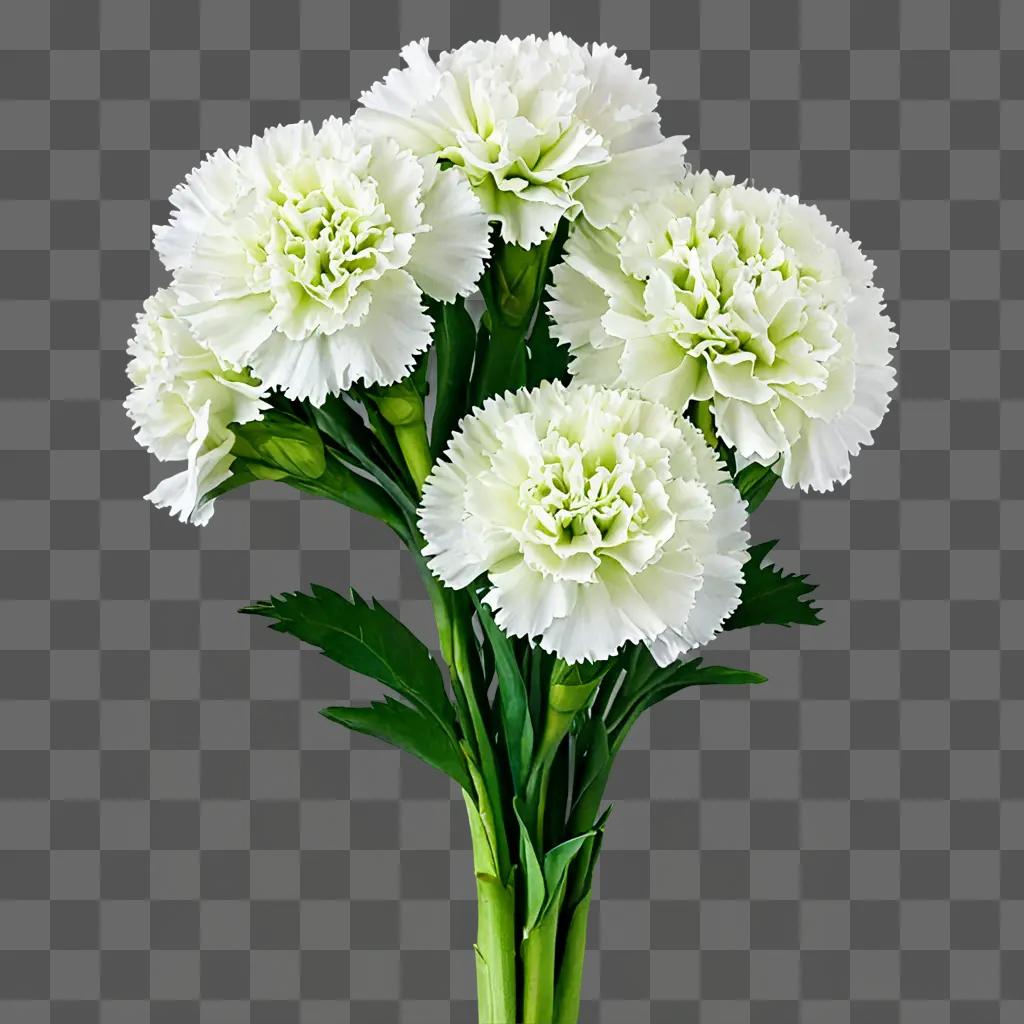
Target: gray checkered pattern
pixel 183 840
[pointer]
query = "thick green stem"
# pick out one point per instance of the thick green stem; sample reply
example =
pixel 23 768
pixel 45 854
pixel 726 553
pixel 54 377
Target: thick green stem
pixel 496 951
pixel 496 940
pixel 539 968
pixel 570 971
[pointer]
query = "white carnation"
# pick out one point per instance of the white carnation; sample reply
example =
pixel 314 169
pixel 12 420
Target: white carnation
pixel 303 256
pixel 598 517
pixel 541 128
pixel 182 404
pixel 745 298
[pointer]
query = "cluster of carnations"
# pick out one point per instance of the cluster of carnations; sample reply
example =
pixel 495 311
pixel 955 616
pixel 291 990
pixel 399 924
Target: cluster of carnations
pixel 571 464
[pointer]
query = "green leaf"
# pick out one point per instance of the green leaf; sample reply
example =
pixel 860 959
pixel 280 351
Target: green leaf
pixel 547 359
pixel 241 474
pixel 501 365
pixel 656 684
pixel 454 345
pixel 347 429
pixel 405 727
pixel 771 597
pixel 533 873
pixel 592 769
pixel 367 639
pixel 754 482
pixel 586 862
pixel 556 865
pixel 676 677
pixel 515 711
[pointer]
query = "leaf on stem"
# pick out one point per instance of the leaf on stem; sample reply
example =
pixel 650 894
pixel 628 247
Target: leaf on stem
pixel 404 726
pixel 533 873
pixel 547 359
pixel 368 639
pixel 770 596
pixel 592 769
pixel 454 345
pixel 647 685
pixel 556 866
pixel 515 711
pixel 754 482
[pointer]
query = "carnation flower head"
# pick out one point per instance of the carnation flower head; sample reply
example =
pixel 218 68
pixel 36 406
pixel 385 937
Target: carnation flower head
pixel 183 403
pixel 598 517
pixel 748 299
pixel 303 256
pixel 540 127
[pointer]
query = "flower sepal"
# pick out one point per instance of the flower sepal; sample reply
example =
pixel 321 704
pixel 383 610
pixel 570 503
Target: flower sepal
pixel 280 445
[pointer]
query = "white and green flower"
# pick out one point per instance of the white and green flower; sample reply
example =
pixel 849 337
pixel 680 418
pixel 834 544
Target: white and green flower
pixel 598 518
pixel 743 298
pixel 183 403
pixel 541 127
pixel 304 255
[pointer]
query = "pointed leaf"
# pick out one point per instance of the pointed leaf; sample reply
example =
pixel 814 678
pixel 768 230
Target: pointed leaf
pixel 547 359
pixel 556 865
pixel 454 345
pixel 771 597
pixel 661 683
pixel 586 862
pixel 596 765
pixel 534 874
pixel 338 421
pixel 754 482
pixel 405 727
pixel 515 712
pixel 367 639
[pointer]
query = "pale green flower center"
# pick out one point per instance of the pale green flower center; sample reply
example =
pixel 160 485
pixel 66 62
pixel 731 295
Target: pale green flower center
pixel 583 506
pixel 324 244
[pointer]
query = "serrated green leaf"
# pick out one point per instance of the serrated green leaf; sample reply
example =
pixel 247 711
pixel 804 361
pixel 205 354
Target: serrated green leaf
pixel 515 712
pixel 454 346
pixel 755 482
pixel 367 639
pixel 546 359
pixel 660 683
pixel 406 727
pixel 770 596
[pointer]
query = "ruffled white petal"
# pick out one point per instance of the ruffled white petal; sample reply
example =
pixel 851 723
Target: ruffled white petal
pixel 282 249
pixel 448 257
pixel 184 494
pixel 541 128
pixel 598 518
pixel 709 291
pixel 183 402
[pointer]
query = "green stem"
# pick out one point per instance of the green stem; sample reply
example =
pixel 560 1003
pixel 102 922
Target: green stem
pixel 538 953
pixel 570 971
pixel 496 941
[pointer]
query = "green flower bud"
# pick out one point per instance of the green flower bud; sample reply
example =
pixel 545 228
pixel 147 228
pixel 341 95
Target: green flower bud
pixel 281 445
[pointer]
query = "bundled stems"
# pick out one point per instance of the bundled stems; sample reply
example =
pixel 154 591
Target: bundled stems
pixel 534 798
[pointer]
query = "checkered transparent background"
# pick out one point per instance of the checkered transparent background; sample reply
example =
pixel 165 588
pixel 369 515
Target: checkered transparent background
pixel 183 840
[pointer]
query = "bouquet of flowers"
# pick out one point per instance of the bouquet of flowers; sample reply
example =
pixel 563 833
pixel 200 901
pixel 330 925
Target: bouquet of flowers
pixel 571 462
